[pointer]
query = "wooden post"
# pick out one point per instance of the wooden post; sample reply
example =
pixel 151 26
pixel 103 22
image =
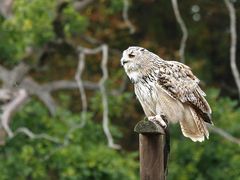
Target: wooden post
pixel 153 149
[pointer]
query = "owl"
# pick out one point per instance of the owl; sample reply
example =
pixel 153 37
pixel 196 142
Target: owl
pixel 168 92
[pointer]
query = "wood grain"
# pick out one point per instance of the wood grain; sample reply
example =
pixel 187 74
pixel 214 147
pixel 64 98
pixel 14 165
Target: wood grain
pixel 152 144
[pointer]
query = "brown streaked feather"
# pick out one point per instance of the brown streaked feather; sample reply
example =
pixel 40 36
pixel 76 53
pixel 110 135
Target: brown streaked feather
pixel 193 126
pixel 180 83
pixel 199 122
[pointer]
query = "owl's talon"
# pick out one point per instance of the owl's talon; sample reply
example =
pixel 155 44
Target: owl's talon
pixel 158 120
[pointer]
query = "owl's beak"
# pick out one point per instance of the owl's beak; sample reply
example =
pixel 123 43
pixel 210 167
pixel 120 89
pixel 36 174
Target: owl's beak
pixel 124 61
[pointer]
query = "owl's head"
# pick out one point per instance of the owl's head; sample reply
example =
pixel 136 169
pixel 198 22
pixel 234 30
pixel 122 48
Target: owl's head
pixel 132 55
pixel 136 61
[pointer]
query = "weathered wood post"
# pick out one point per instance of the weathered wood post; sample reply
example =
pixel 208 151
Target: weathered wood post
pixel 154 149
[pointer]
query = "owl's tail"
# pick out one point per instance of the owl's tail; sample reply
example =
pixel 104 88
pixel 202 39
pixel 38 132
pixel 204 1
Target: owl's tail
pixel 193 126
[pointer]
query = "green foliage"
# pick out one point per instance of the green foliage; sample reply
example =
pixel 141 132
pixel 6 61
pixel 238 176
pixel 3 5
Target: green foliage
pixel 114 103
pixel 30 25
pixel 115 6
pixel 93 163
pixel 86 157
pixel 74 23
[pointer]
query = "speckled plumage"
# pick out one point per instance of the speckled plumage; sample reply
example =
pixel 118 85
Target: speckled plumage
pixel 168 88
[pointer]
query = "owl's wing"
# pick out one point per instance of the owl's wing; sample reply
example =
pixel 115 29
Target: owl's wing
pixel 179 82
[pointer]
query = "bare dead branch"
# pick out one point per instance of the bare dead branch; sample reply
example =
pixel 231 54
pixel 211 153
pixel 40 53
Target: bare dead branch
pixel 126 18
pixel 10 108
pixel 18 73
pixel 32 135
pixel 12 77
pixel 5 95
pixel 64 84
pixel 17 78
pixel 43 92
pixel 104 97
pixel 81 5
pixel 35 89
pixel 233 47
pixel 6 8
pixel 224 134
pixel 78 77
pixel 183 28
pixel 3 73
pixel 104 49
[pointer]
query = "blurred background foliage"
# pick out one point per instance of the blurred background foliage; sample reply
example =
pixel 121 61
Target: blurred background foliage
pixel 37 25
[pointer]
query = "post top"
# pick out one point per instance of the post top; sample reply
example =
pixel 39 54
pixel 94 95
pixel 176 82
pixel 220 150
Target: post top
pixel 148 127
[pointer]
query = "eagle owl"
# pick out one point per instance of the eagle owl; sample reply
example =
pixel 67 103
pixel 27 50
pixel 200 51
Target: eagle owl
pixel 168 91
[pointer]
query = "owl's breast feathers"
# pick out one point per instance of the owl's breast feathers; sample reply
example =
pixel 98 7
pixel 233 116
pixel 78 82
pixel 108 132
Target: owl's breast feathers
pixel 179 82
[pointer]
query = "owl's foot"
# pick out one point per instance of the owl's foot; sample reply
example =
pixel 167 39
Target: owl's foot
pixel 158 119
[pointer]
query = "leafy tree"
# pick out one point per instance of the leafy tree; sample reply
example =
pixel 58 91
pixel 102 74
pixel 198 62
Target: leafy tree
pixel 85 157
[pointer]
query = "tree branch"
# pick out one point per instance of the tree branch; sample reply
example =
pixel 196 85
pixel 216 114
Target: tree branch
pixel 104 49
pixel 104 97
pixel 3 74
pixel 81 5
pixel 125 17
pixel 35 89
pixel 224 134
pixel 233 31
pixel 5 96
pixel 78 77
pixel 183 28
pixel 43 92
pixel 6 8
pixel 65 84
pixel 82 53
pixel 15 76
pixel 10 108
pixel 31 135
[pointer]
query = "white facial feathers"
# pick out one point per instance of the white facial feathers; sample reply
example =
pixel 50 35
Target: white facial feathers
pixel 136 62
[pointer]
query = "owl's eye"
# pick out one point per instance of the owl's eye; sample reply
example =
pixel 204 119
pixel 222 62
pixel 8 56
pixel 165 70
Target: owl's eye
pixel 142 49
pixel 131 55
